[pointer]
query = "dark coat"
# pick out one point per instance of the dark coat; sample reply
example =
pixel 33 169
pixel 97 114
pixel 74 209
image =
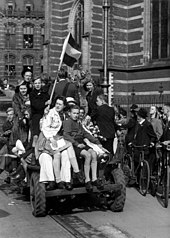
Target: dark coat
pixel 105 119
pixel 75 133
pixel 72 90
pixel 37 99
pixel 19 129
pixel 7 126
pixel 145 134
pixel 130 126
pixel 166 132
pixel 18 104
pixel 91 100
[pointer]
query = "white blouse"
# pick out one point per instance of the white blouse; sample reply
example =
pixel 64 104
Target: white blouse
pixel 51 124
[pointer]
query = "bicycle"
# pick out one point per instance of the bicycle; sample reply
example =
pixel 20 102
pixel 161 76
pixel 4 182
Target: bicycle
pixel 141 174
pixel 163 172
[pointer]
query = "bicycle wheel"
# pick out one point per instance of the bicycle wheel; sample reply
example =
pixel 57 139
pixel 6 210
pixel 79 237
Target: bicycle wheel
pixel 165 184
pixel 144 178
pixel 126 167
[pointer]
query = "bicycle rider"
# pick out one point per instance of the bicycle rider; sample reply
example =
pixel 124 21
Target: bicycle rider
pixel 166 131
pixel 165 138
pixel 144 135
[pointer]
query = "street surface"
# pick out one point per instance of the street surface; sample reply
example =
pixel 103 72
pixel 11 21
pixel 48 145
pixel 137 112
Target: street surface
pixel 143 217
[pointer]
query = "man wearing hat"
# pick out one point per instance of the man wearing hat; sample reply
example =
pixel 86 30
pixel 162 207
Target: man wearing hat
pixel 166 132
pixel 144 135
pixel 64 87
pixel 130 125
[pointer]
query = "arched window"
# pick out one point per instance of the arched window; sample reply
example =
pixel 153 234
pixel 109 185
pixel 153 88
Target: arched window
pixel 79 24
pixel 10 61
pixel 160 43
pixel 28 62
pixel 28 36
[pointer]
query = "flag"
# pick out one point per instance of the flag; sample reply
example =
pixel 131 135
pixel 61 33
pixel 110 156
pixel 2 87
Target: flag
pixel 70 52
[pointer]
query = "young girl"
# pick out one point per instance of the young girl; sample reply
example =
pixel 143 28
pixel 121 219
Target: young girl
pixel 20 103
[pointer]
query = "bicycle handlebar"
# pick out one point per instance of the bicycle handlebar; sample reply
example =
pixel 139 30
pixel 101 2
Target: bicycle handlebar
pixel 165 144
pixel 139 146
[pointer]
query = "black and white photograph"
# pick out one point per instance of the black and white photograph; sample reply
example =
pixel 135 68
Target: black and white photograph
pixel 84 118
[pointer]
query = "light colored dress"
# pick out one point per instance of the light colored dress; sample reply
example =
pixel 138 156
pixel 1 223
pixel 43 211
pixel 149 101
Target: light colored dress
pixel 55 154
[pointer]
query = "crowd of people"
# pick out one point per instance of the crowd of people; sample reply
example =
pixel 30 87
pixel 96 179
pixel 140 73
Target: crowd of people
pixel 46 125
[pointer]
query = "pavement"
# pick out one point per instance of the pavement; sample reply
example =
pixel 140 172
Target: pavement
pixel 17 221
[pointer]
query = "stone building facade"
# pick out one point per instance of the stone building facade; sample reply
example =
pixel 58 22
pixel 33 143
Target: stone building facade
pixel 21 37
pixel 138 45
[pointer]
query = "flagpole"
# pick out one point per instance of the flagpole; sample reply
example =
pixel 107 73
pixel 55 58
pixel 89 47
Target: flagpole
pixel 60 64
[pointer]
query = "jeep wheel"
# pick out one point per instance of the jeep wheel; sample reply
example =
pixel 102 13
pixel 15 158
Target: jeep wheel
pixel 118 202
pixel 37 196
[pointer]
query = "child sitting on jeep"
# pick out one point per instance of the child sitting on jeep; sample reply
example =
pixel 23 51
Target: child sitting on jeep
pixel 75 133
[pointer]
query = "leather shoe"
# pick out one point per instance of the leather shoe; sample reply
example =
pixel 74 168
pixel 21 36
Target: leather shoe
pixel 61 185
pixel 68 186
pixel 51 186
pixel 89 187
pixel 98 183
pixel 79 177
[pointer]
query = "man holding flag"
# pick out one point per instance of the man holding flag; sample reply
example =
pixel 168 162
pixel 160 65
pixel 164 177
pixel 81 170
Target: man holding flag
pixel 70 54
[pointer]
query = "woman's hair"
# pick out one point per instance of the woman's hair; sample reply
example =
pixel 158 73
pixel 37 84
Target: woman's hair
pixel 62 98
pixel 85 84
pixel 19 85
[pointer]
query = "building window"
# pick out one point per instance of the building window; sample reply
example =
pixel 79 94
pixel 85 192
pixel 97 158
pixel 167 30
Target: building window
pixel 28 62
pixel 10 33
pixel 42 63
pixel 10 7
pixel 28 37
pixel 28 8
pixel 10 61
pixel 160 26
pixel 79 25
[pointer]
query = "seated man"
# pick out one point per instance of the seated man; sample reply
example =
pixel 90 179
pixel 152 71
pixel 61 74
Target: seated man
pixel 75 133
pixel 7 128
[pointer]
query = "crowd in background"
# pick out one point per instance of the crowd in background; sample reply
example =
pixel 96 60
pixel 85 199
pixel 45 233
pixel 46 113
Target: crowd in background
pixel 42 114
